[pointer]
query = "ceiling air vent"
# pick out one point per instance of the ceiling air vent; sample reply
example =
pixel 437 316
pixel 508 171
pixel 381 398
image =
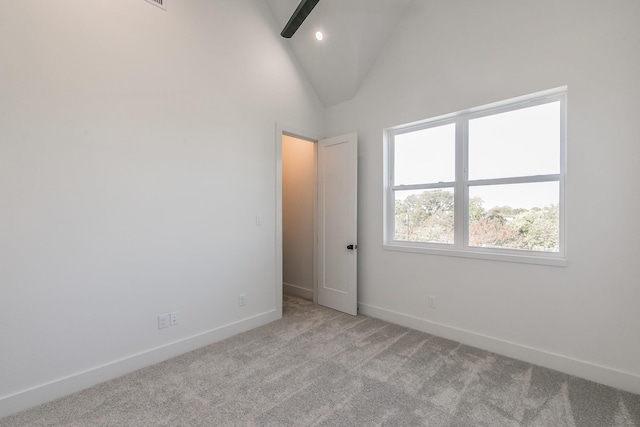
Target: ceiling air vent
pixel 162 4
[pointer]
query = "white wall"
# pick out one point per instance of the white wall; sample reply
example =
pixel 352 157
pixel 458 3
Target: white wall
pixel 451 55
pixel 136 148
pixel 298 196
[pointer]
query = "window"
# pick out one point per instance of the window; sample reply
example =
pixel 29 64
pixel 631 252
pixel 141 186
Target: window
pixel 483 183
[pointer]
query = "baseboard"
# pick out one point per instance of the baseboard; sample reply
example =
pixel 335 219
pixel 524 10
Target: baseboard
pixel 601 374
pixel 42 393
pixel 297 291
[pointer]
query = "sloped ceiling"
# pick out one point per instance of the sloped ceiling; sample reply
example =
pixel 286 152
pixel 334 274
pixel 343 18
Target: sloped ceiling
pixel 355 32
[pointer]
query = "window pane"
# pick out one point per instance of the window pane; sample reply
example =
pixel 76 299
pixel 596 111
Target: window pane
pixel 516 143
pixel 424 216
pixel 425 156
pixel 516 216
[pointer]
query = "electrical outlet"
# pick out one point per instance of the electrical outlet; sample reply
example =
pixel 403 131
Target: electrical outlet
pixel 259 219
pixel 163 321
pixel 432 301
pixel 242 300
pixel 174 318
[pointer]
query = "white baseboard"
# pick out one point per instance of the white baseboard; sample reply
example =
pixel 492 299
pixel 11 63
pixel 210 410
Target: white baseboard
pixel 297 291
pixel 42 393
pixel 601 374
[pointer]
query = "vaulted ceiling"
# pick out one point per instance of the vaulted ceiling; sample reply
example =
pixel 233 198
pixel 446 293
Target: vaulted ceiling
pixel 355 32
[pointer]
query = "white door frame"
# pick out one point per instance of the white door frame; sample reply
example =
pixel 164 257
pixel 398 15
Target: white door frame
pixel 283 129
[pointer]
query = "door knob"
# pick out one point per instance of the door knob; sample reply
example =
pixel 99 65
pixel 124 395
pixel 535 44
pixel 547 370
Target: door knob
pixel 352 247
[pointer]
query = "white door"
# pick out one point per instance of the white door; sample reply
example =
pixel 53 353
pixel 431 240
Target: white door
pixel 337 223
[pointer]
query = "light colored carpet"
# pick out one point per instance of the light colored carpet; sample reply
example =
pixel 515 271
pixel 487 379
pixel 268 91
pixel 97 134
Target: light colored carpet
pixel 320 367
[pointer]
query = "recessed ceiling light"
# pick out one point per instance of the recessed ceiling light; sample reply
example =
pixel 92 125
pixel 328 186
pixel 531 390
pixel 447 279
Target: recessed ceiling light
pixel 319 35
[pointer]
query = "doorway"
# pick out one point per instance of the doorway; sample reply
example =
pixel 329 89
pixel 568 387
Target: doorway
pixel 299 232
pixel 334 230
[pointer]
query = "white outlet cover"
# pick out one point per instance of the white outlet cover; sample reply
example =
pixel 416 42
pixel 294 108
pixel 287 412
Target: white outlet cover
pixel 433 302
pixel 163 321
pixel 174 318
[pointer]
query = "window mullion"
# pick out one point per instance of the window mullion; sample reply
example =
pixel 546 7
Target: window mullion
pixel 435 185
pixel 515 180
pixel 563 171
pixel 461 193
pixel 391 195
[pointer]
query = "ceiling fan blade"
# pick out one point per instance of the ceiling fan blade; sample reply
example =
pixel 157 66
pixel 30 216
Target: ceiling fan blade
pixel 302 11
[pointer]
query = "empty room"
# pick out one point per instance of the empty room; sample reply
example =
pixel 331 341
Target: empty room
pixel 463 252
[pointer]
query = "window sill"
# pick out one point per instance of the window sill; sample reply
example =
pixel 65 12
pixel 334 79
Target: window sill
pixel 552 260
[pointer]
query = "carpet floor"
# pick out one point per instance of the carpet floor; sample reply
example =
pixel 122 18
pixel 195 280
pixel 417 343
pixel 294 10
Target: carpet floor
pixel 318 367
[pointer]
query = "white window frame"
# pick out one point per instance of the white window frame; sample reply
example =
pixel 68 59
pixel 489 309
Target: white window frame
pixel 460 247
